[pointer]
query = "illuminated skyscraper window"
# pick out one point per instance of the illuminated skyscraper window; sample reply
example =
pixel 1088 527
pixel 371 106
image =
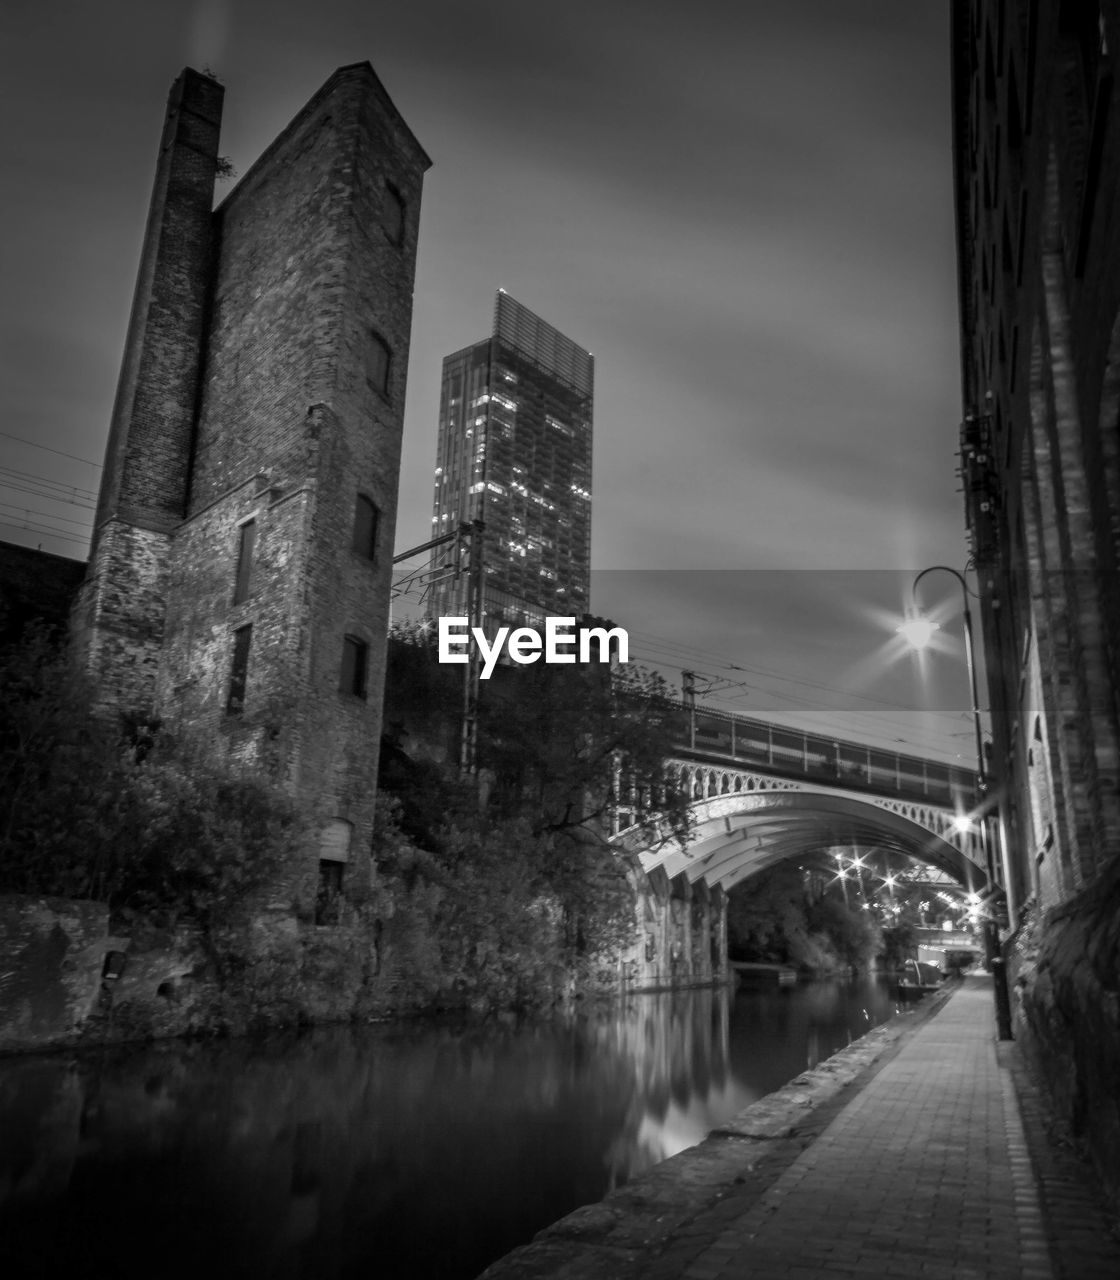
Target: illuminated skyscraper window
pixel 514 451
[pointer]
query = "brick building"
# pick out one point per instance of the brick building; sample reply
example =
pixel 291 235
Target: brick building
pixel 1036 143
pixel 238 585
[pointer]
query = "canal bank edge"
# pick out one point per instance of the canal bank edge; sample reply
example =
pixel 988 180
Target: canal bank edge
pixel 621 1235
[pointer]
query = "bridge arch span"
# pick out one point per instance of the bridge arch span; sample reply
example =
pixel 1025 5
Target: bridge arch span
pixel 737 833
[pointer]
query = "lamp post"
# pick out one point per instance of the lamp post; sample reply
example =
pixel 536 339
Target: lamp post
pixel 918 632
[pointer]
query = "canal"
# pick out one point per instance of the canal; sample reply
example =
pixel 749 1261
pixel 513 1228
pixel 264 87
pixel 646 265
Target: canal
pixel 403 1151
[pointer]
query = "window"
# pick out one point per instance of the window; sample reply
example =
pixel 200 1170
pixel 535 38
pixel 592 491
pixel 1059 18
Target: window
pixel 247 537
pixel 239 670
pixel 393 214
pixel 365 527
pixel 334 853
pixel 380 359
pixel 355 656
pixel 328 899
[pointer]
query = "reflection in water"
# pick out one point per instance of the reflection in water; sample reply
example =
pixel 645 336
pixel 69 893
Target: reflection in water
pixel 386 1151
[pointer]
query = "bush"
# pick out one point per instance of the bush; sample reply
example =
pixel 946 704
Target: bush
pixel 93 809
pixel 497 916
pixel 773 918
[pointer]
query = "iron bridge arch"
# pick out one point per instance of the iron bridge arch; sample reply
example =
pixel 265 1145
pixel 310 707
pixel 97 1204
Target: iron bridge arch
pixel 745 821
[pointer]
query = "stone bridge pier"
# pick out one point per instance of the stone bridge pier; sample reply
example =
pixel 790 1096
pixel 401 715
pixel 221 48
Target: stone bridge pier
pixel 681 937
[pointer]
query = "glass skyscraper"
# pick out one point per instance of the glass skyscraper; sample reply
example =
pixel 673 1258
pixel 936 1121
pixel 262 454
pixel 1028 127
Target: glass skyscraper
pixel 514 452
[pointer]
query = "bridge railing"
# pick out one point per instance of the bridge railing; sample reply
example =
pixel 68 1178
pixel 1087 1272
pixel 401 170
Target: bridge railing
pixel 720 736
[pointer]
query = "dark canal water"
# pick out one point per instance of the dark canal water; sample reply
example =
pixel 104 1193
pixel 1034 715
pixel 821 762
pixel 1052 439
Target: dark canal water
pixel 385 1152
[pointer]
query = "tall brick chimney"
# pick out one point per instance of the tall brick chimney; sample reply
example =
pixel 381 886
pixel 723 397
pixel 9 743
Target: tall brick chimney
pixel 119 615
pixel 147 460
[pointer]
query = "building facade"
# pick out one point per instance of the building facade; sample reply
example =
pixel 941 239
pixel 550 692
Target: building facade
pixel 1036 144
pixel 514 454
pixel 239 580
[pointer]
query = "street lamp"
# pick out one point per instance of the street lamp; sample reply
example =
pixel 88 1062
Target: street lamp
pixel 918 630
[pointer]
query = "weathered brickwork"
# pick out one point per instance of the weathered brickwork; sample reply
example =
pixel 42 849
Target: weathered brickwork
pixel 202 616
pixel 148 455
pixel 118 617
pixel 239 585
pixel 1037 160
pixel 52 951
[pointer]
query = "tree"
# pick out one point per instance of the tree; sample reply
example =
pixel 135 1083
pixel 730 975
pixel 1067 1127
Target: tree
pixel 559 743
pixel 899 941
pixel 773 917
pixel 852 933
pixel 565 743
pixel 512 882
pixel 766 917
pixel 92 808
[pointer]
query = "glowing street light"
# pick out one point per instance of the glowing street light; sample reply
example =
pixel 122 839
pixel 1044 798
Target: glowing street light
pixel 918 631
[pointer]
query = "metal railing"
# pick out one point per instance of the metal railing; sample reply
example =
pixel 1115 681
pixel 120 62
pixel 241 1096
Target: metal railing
pixel 721 737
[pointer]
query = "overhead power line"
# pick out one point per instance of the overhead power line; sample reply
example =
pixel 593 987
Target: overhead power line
pixel 31 527
pixel 48 515
pixel 651 654
pixel 47 449
pixel 66 492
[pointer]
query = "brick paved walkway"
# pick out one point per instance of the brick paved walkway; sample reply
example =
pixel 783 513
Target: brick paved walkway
pixel 925 1173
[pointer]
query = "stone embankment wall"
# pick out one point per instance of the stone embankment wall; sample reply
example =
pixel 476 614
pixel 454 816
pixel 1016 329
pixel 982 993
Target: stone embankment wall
pixel 52 952
pixel 65 980
pixel 1064 971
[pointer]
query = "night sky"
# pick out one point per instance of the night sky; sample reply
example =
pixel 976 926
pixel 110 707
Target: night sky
pixel 743 209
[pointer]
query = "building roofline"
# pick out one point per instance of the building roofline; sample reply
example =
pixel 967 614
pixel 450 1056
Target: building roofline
pixel 35 553
pixel 464 351
pixel 362 69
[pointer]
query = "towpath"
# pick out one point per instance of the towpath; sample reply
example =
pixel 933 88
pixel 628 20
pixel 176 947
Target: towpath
pixel 926 1157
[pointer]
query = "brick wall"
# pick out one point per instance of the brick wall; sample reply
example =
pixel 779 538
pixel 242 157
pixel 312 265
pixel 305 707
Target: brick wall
pixel 1037 154
pixel 263 380
pixel 118 623
pixel 313 272
pixel 148 456
pixel 51 955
